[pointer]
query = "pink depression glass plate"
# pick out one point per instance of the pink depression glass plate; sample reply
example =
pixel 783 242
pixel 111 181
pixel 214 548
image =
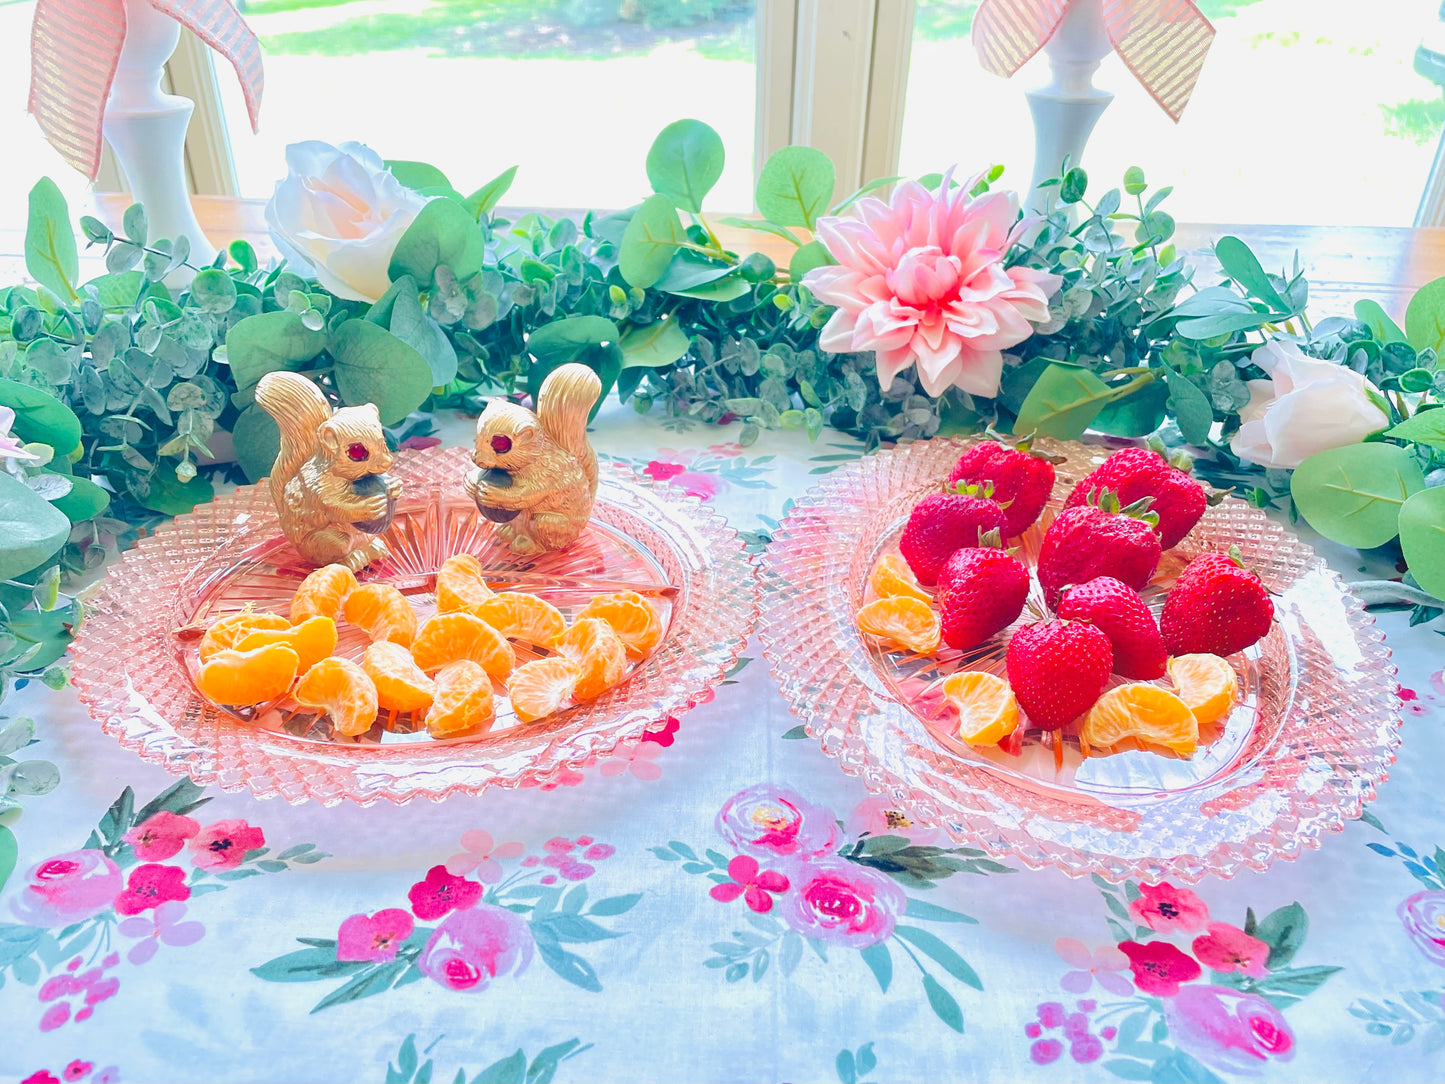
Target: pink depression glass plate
pixel 1312 734
pixel 135 674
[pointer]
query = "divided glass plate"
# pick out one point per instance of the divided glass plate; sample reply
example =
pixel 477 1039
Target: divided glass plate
pixel 1312 734
pixel 135 674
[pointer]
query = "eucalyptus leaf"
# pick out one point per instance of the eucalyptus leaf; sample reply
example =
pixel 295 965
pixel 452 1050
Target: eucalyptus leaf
pixel 268 342
pixel 1424 427
pixel 1422 538
pixel 1425 317
pixel 31 528
pixel 684 162
pixel 51 255
pixel 813 254
pixel 795 186
pixel 374 366
pixel 40 417
pixel 1241 264
pixel 1062 403
pixel 258 442
pixel 1353 494
pixel 650 241
pixel 485 199
pixel 1381 326
pixel 659 344
pixel 417 175
pixel 1192 411
pixel 442 233
pixel 588 340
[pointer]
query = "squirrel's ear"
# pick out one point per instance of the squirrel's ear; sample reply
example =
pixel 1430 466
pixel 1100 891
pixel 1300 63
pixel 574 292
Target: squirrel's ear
pixel 326 436
pixel 375 413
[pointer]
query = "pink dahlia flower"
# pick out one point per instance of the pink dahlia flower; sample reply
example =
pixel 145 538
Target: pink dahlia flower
pixel 921 280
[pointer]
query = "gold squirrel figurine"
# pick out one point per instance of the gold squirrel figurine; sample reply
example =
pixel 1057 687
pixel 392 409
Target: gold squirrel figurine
pixel 536 475
pixel 328 482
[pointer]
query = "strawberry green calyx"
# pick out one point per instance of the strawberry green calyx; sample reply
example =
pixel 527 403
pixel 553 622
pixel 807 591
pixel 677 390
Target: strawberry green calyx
pixel 1215 497
pixel 1181 460
pixel 973 489
pixel 1237 557
pixel 1140 509
pixel 991 539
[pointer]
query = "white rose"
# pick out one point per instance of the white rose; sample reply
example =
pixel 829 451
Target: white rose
pixel 338 216
pixel 1306 406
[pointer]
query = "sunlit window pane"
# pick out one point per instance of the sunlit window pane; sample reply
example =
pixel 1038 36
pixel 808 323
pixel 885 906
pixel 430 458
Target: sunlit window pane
pixel 1307 112
pixel 572 90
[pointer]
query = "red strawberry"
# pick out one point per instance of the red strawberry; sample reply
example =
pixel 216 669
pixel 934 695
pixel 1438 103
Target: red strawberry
pixel 941 524
pixel 1135 473
pixel 1057 669
pixel 1218 607
pixel 1117 611
pixel 1021 481
pixel 980 591
pixel 1089 541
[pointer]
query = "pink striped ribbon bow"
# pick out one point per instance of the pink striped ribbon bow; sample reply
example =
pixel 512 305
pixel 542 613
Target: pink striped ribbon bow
pixel 74 47
pixel 1163 42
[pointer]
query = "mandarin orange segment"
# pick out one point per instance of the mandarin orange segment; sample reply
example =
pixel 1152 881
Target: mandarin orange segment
pixel 542 686
pixel 892 577
pixel 598 652
pixel 322 593
pixel 525 617
pixel 344 690
pixel 228 630
pixel 463 700
pixel 243 678
pixel 1141 711
pixel 445 638
pixel 400 684
pixel 383 612
pixel 631 616
pixel 312 640
pixel 460 587
pixel 1204 682
pixel 902 622
pixel 987 710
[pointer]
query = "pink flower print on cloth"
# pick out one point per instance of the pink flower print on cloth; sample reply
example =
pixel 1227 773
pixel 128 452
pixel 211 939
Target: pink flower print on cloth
pixel 68 888
pixel 441 892
pixel 920 280
pixel 767 821
pixel 471 948
pixel 223 845
pixel 1227 948
pixel 1159 968
pixel 373 937
pixel 161 836
pixel 879 816
pixel 481 855
pixel 638 760
pixel 150 886
pixel 842 902
pixel 1423 916
pixel 164 927
pixel 673 467
pixel 1166 909
pixel 1101 965
pixel 754 884
pixel 1227 1030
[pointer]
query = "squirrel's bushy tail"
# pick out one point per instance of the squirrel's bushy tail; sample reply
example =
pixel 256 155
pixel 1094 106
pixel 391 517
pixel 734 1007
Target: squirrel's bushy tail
pixel 299 409
pixel 563 403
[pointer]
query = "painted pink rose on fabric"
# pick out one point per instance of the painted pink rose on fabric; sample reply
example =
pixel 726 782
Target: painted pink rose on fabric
pixel 161 836
pixel 1227 948
pixel 471 948
pixel 482 855
pixel 753 883
pixel 150 886
pixel 441 892
pixel 164 927
pixel 842 902
pixel 879 816
pixel 67 888
pixel 223 845
pixel 674 468
pixel 1166 909
pixel 1101 965
pixel 1423 916
pixel 768 821
pixel 1159 968
pixel 1228 1030
pixel 373 937
pixel 921 280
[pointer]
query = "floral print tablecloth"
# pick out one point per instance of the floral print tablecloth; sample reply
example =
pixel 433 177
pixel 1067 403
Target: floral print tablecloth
pixel 635 922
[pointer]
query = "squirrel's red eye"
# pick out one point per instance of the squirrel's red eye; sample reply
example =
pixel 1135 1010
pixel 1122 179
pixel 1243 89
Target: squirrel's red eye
pixel 501 444
pixel 358 452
